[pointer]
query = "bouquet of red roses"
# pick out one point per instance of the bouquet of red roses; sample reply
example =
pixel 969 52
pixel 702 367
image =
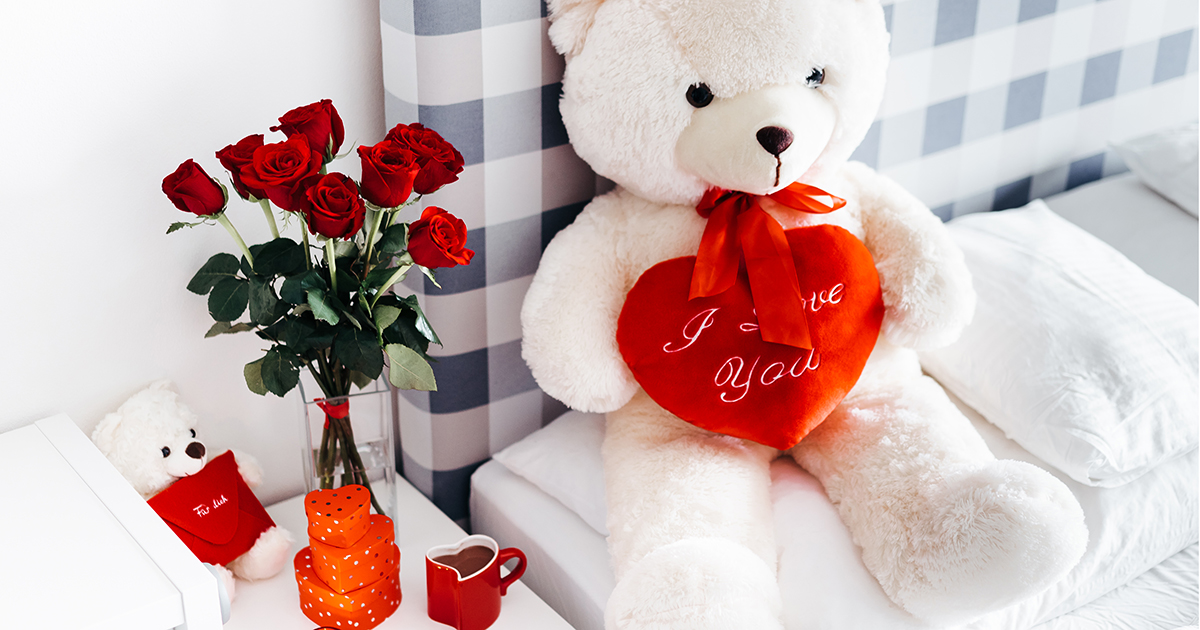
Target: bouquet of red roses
pixel 327 306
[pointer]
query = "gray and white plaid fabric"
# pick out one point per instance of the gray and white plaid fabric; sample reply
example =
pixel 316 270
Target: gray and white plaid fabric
pixel 484 75
pixel 989 103
pixel 992 103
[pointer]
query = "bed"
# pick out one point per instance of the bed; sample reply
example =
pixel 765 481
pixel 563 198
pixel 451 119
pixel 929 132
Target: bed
pixel 1139 571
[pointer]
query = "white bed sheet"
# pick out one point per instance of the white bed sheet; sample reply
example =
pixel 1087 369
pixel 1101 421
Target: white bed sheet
pixel 568 560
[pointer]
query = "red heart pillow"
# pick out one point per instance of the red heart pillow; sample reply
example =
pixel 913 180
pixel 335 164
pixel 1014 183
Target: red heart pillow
pixel 705 361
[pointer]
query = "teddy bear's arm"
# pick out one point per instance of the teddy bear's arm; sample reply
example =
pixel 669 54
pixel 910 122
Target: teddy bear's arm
pixel 248 468
pixel 569 319
pixel 926 285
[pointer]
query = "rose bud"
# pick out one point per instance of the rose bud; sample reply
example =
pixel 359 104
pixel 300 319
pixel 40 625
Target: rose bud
pixel 437 239
pixel 192 190
pixel 233 157
pixel 440 161
pixel 334 209
pixel 280 168
pixel 388 171
pixel 319 122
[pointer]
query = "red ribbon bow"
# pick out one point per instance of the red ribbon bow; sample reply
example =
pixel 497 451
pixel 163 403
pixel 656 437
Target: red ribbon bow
pixel 337 411
pixel 739 227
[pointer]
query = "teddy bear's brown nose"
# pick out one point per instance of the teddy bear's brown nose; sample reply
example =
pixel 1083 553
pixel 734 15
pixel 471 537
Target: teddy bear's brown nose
pixel 775 140
pixel 195 450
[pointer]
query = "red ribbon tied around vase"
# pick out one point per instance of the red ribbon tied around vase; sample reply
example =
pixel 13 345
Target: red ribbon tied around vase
pixel 738 227
pixel 337 411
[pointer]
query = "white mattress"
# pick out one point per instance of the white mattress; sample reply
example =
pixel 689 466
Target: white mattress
pixel 568 560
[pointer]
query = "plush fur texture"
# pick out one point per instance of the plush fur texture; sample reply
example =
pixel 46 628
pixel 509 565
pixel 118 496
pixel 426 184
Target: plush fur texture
pixel 949 531
pixel 133 438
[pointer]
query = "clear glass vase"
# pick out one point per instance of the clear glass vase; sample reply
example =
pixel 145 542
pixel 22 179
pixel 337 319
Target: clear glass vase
pixel 363 419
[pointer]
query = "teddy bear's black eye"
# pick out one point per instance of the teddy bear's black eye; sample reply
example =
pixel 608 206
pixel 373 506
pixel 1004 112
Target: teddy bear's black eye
pixel 166 451
pixel 699 95
pixel 816 78
pixel 193 432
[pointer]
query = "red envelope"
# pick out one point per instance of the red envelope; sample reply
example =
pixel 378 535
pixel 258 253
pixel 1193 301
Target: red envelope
pixel 213 511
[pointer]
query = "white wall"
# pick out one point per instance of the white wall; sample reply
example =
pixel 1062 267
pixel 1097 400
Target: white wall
pixel 98 102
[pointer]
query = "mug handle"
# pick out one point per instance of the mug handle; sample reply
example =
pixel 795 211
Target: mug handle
pixel 505 555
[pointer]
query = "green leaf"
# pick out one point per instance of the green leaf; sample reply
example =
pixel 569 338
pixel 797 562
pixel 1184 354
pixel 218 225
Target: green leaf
pixel 429 274
pixel 280 371
pixel 228 298
pixel 409 369
pixel 293 289
pixel 313 280
pixel 394 238
pixel 282 256
pixel 320 308
pixel 254 379
pixel 223 328
pixel 379 276
pixel 219 267
pixel 358 350
pixel 404 331
pixel 179 225
pixel 385 315
pixel 264 306
pixel 423 324
pixel 360 379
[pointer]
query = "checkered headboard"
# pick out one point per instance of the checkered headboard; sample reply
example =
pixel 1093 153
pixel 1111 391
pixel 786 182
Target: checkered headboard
pixel 992 103
pixel 989 103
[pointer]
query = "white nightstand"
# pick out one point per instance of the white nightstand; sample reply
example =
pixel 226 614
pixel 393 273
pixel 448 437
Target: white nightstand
pixel 275 603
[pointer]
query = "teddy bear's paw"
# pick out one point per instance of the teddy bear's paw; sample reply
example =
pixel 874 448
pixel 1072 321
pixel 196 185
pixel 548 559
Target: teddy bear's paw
pixel 1003 533
pixel 697 584
pixel 266 558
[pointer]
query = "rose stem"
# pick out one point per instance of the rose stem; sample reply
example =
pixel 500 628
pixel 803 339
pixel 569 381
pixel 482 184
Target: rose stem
pixel 331 259
pixel 224 221
pixel 266 206
pixel 360 468
pixel 405 262
pixel 347 448
pixel 371 239
pixel 322 458
pixel 307 249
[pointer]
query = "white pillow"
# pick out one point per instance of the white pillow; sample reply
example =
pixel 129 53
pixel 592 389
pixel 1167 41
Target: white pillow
pixel 1167 162
pixel 563 460
pixel 1075 353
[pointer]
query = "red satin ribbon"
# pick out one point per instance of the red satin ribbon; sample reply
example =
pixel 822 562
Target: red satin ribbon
pixel 739 228
pixel 337 411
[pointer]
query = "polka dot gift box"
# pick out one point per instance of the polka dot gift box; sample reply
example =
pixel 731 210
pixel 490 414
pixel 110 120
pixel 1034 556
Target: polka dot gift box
pixel 349 575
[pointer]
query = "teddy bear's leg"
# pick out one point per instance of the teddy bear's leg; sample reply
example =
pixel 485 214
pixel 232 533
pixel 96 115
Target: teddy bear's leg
pixel 949 531
pixel 689 513
pixel 270 552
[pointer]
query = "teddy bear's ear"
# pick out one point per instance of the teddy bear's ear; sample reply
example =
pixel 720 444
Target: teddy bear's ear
pixel 570 21
pixel 102 436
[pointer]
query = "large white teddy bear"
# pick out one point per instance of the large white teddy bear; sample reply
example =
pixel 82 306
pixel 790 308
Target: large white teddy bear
pixel 672 98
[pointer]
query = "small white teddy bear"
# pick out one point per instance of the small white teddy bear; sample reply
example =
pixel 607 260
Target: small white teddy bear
pixel 151 440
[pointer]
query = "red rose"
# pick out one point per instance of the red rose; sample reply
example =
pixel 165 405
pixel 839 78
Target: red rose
pixel 319 122
pixel 437 239
pixel 334 209
pixel 440 161
pixel 192 190
pixel 388 171
pixel 279 170
pixel 233 157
